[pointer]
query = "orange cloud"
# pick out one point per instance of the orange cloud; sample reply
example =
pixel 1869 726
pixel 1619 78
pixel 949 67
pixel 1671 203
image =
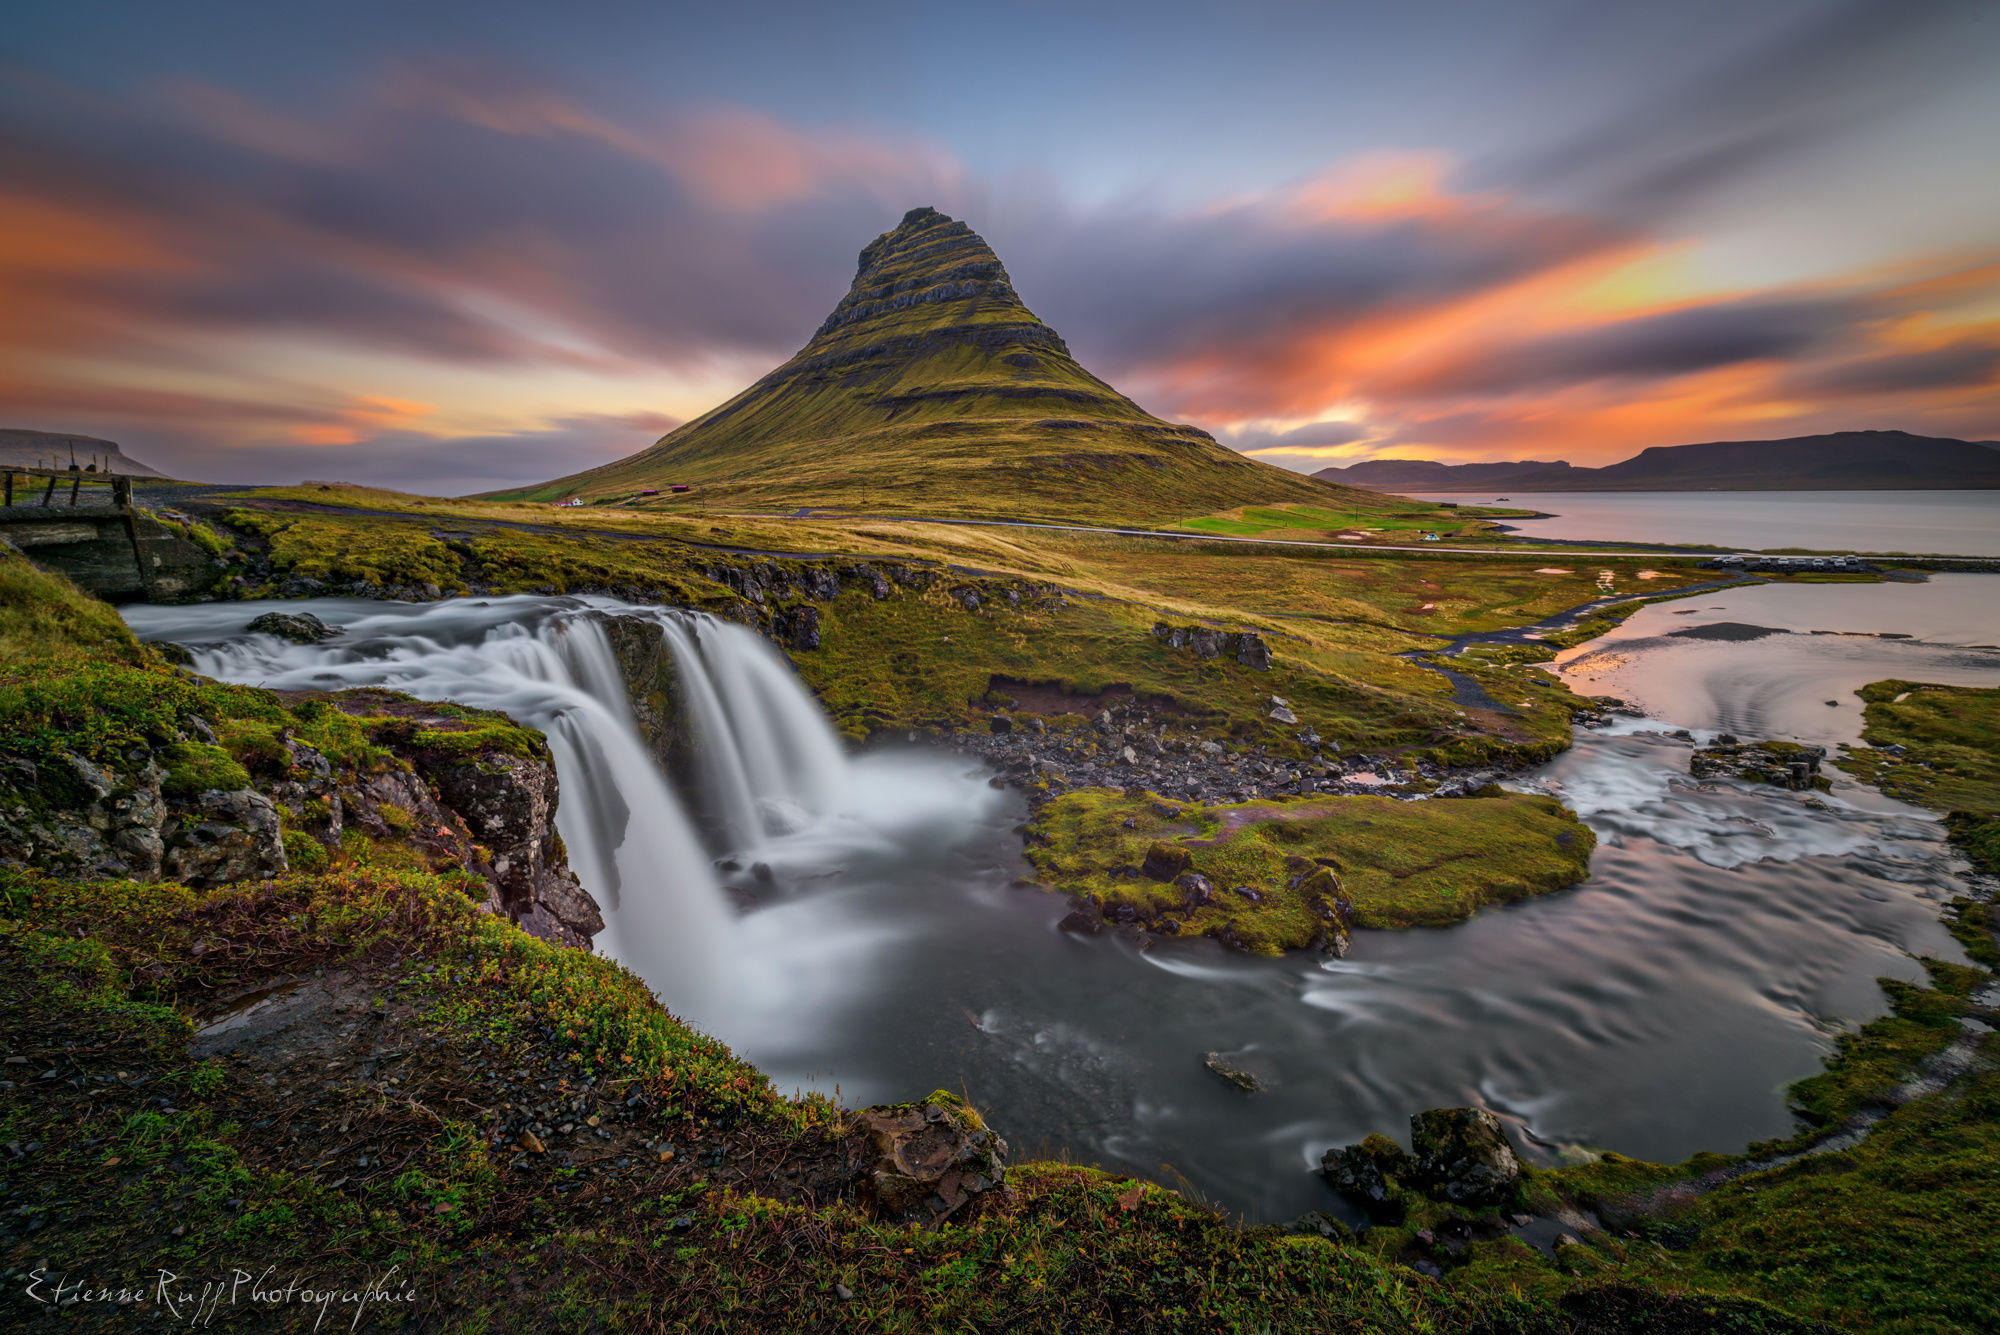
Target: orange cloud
pixel 366 417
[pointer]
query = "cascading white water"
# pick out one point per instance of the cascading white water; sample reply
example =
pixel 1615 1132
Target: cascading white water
pixel 765 755
pixel 768 755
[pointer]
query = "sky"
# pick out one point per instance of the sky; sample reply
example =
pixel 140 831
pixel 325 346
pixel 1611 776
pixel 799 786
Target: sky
pixel 450 247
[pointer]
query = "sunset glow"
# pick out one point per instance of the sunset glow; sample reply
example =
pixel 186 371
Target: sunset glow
pixel 512 262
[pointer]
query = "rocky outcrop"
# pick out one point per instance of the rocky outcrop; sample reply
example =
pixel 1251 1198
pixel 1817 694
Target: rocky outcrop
pixel 796 628
pixel 1459 1156
pixel 925 1161
pixel 73 817
pixel 652 683
pixel 1246 647
pixel 1783 764
pixel 1366 1173
pixel 508 805
pixel 1235 1071
pixel 183 808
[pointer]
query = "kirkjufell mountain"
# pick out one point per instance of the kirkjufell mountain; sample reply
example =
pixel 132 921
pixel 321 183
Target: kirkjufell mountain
pixel 932 388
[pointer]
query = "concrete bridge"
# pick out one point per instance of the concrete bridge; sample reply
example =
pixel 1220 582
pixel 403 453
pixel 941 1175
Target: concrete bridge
pixel 83 524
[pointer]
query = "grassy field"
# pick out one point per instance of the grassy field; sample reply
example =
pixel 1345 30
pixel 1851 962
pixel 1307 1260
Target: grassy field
pixel 1404 521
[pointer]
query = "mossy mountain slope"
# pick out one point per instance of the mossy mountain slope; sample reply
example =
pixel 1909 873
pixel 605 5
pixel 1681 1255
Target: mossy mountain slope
pixel 932 388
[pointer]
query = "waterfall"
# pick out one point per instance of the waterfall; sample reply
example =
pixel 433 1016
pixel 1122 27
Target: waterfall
pixel 768 756
pixel 765 758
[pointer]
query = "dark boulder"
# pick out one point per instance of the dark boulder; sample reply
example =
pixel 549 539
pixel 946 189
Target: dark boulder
pixel 797 627
pixel 1197 891
pixel 1461 1155
pixel 1367 1173
pixel 299 627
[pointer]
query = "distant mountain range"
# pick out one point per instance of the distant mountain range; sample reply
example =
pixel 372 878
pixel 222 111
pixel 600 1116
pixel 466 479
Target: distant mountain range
pixel 53 449
pixel 932 388
pixel 1841 461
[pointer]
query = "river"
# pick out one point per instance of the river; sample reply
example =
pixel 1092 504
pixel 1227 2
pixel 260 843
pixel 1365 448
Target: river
pixel 1725 936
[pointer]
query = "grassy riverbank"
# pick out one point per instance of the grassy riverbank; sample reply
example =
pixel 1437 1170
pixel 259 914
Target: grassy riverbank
pixel 1883 1213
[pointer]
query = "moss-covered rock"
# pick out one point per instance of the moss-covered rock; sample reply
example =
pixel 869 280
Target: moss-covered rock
pixel 1781 764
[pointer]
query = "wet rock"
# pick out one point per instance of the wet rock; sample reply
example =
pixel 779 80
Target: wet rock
pixel 299 627
pixel 1787 765
pixel 1233 1072
pixel 1083 921
pixel 1467 785
pixel 925 1161
pixel 1367 1173
pixel 1461 1155
pixel 1165 861
pixel 509 804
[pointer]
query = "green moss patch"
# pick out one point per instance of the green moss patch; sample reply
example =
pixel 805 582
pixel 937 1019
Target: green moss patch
pixel 1402 864
pixel 1951 739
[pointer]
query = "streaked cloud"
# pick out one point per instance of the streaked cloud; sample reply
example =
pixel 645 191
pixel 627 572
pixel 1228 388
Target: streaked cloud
pixel 459 274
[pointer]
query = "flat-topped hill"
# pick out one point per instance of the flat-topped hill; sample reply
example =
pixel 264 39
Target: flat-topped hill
pixel 932 388
pixel 21 448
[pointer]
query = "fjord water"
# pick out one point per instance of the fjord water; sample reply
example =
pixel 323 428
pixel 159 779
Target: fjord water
pixel 1725 934
pixel 1948 523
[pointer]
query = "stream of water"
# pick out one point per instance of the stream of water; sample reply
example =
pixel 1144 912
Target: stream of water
pixel 1725 935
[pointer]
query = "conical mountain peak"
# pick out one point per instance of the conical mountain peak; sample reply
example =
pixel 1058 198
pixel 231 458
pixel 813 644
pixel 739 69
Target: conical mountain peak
pixel 932 388
pixel 926 259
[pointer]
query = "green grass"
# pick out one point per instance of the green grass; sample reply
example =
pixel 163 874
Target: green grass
pixel 919 661
pixel 1402 864
pixel 1953 737
pixel 1387 517
pixel 46 619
